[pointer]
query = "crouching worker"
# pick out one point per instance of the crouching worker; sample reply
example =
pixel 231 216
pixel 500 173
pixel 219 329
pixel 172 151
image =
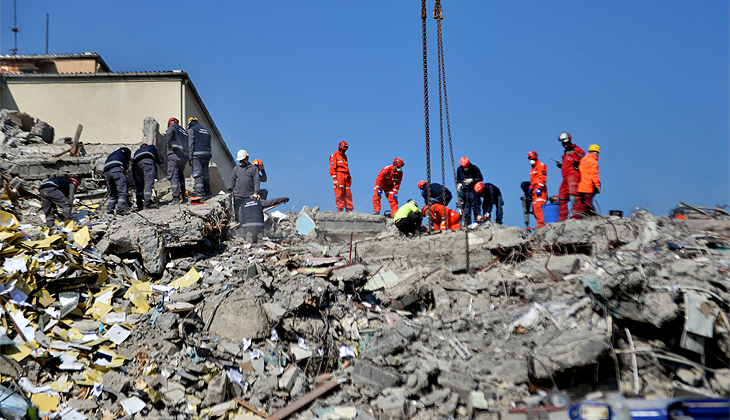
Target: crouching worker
pixel 408 218
pixel 440 222
pixel 251 216
pixel 58 193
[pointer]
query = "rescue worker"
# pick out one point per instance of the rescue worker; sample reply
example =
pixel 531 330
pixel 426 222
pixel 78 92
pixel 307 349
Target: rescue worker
pixel 144 170
pixel 263 193
pixel 440 222
pixel 245 183
pixel 438 193
pixel 340 173
pixel 176 140
pixel 200 153
pixel 57 197
pixel 115 173
pixel 491 196
pixel 569 188
pixel 252 217
pixel 467 175
pixel 408 218
pixel 538 187
pixel 590 182
pixel 388 181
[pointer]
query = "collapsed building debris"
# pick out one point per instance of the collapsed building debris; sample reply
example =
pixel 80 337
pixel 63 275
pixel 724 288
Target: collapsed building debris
pixel 165 313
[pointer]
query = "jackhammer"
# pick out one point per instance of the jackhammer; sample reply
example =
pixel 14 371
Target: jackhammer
pixel 526 202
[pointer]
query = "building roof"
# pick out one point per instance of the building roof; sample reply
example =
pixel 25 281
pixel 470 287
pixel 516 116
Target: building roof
pixel 147 75
pixel 52 57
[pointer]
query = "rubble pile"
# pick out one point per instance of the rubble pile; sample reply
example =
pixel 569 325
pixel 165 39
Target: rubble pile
pixel 166 314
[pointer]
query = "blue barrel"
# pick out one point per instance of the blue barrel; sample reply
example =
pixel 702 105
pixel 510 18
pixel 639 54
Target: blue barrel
pixel 551 212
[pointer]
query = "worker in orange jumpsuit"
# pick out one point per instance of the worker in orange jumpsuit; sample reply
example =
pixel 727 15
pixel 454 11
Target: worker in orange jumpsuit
pixel 340 173
pixel 388 181
pixel 590 182
pixel 437 211
pixel 538 186
pixel 571 176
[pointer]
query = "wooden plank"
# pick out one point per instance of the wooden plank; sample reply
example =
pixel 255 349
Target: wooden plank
pixel 252 409
pixel 305 400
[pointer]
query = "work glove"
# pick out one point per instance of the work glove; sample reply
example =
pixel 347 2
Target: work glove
pixel 379 191
pixel 529 192
pixel 560 164
pixel 486 216
pixel 468 181
pixel 538 192
pixel 597 190
pixel 395 197
pixel 479 218
pixel 286 199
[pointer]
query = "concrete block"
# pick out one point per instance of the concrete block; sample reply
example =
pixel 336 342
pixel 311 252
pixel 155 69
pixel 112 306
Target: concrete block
pixel 289 378
pixel 392 407
pixel 512 371
pixel 365 373
pixel 216 390
pixel 442 302
pixel 229 323
pixel 461 383
pixel 569 350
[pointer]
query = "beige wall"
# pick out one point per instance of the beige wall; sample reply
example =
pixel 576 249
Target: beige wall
pixel 111 111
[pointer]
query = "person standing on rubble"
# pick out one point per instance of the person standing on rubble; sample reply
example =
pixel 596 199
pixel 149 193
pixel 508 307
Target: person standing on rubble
pixel 58 193
pixel 252 217
pixel 571 176
pixel 590 181
pixel 200 155
pixel 468 175
pixel 538 186
pixel 245 183
pixel 408 218
pixel 115 173
pixel 439 193
pixel 443 217
pixel 176 139
pixel 144 171
pixel 340 173
pixel 263 193
pixel 491 196
pixel 388 181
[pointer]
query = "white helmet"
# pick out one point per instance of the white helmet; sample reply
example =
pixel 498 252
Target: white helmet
pixel 242 155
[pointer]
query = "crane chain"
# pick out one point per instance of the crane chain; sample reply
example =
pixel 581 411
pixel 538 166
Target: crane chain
pixel 425 110
pixel 438 15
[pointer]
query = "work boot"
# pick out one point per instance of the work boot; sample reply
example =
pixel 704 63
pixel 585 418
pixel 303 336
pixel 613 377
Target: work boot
pixel 376 213
pixel 152 206
pixel 259 237
pixel 248 237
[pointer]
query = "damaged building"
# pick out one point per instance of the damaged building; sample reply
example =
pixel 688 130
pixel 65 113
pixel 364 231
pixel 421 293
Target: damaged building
pixel 166 314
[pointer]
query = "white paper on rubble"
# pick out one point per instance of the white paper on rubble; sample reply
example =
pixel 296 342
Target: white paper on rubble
pixel 117 334
pixel 115 317
pixel 13 265
pixel 24 324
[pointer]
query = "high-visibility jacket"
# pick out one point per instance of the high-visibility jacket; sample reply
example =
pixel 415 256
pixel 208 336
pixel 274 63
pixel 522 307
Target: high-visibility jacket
pixel 589 179
pixel 571 159
pixel 388 179
pixel 406 210
pixel 452 218
pixel 338 164
pixel 538 176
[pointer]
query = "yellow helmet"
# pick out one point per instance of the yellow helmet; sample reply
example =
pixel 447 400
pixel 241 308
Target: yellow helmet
pixel 191 119
pixel 594 148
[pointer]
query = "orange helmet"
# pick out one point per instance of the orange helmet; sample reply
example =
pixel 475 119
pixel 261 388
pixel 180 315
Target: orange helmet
pixel 76 183
pixel 421 184
pixel 479 187
pixel 398 162
pixel 257 162
pixel 172 120
pixel 464 162
pixel 532 155
pixel 344 145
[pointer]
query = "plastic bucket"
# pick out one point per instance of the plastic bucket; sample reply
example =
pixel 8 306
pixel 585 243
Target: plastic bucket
pixel 551 212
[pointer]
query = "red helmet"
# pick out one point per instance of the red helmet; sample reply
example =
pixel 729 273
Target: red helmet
pixel 423 209
pixel 257 162
pixel 421 184
pixel 172 120
pixel 398 162
pixel 479 187
pixel 464 162
pixel 343 145
pixel 76 183
pixel 532 155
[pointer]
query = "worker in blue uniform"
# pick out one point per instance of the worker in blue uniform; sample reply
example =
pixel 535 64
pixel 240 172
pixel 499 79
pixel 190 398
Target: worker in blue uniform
pixel 57 197
pixel 467 175
pixel 144 170
pixel 115 173
pixel 176 140
pixel 200 155
pixel 439 193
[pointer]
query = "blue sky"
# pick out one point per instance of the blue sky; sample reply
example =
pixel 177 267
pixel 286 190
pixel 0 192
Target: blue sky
pixel 648 81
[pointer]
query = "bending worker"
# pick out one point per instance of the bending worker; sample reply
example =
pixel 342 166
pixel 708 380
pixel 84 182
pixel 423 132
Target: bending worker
pixel 388 181
pixel 144 169
pixel 443 217
pixel 467 175
pixel 408 218
pixel 439 193
pixel 590 182
pixel 491 196
pixel 340 173
pixel 571 176
pixel 538 186
pixel 115 173
pixel 58 194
